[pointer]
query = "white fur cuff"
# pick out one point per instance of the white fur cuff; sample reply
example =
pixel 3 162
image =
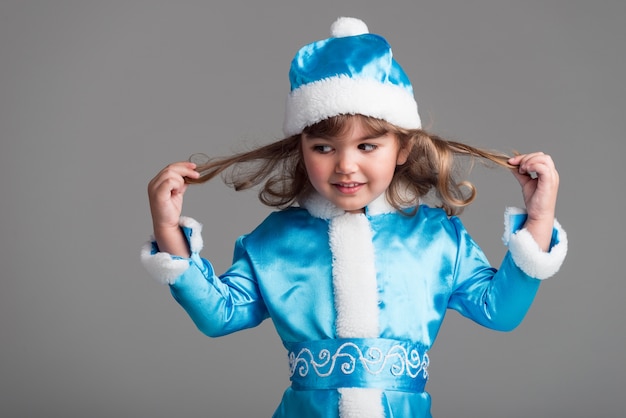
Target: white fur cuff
pixel 161 265
pixel 193 231
pixel 526 253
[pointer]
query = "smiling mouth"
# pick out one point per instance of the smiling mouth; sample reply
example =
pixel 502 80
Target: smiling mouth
pixel 348 188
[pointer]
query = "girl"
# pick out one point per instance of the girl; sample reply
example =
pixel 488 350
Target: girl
pixel 354 271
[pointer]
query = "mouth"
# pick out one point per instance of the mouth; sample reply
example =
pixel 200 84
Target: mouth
pixel 348 188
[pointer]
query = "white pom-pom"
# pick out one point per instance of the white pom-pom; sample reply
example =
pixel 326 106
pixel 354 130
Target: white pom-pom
pixel 348 26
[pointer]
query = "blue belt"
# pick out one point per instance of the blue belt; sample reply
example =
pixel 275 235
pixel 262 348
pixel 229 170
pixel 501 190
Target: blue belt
pixel 358 362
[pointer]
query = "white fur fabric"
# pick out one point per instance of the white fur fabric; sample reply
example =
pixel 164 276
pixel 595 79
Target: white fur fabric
pixel 360 403
pixel 356 301
pixel 527 254
pixel 354 277
pixel 314 102
pixel 161 265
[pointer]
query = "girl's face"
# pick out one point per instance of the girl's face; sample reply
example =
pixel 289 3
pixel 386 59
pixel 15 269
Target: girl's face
pixel 354 167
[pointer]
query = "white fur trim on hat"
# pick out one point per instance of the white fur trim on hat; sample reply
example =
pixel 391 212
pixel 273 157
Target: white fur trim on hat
pixel 314 102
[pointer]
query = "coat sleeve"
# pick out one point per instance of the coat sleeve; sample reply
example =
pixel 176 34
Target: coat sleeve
pixel 218 305
pixel 500 298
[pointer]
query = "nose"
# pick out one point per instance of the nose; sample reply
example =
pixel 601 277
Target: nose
pixel 345 163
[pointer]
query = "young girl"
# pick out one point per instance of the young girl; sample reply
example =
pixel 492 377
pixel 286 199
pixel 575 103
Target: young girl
pixel 355 273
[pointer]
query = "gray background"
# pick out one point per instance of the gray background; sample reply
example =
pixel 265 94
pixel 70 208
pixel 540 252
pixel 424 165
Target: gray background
pixel 97 96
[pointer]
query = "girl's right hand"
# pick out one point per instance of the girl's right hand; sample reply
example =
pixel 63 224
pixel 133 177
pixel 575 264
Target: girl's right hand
pixel 165 193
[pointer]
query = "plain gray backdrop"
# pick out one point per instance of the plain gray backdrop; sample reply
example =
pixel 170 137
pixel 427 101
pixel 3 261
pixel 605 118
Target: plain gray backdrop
pixel 97 96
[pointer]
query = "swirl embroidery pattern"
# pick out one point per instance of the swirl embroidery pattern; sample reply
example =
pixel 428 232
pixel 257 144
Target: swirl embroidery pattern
pixel 348 357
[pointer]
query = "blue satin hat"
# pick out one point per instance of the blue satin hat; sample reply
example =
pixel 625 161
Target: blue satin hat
pixel 352 72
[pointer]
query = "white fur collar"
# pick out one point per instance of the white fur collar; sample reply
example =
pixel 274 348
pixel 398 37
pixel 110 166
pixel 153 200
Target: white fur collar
pixel 320 207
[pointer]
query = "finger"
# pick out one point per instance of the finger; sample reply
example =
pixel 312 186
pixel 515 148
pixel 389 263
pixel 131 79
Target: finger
pixel 534 164
pixel 522 172
pixel 522 178
pixel 515 160
pixel 542 165
pixel 520 159
pixel 170 181
pixel 164 190
pixel 181 168
pixel 175 170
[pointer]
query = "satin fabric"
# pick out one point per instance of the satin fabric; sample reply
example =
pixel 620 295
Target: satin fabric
pixel 425 264
pixel 364 56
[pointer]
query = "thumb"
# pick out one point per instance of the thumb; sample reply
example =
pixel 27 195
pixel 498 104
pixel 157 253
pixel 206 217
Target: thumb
pixel 522 178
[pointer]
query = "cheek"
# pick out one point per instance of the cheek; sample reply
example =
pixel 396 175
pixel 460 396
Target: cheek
pixel 314 167
pixel 386 166
pixel 386 176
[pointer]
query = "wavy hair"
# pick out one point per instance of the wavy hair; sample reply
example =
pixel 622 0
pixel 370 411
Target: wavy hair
pixel 434 167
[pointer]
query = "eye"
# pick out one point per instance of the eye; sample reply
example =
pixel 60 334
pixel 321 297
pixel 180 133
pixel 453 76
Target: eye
pixel 367 147
pixel 322 149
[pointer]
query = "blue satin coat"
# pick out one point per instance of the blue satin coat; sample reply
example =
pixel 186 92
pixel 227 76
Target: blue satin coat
pixel 425 264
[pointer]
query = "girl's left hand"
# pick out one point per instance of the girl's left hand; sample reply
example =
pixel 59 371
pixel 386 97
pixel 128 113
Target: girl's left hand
pixel 539 179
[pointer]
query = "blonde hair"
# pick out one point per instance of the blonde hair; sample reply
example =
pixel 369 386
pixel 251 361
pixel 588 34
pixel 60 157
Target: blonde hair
pixel 432 167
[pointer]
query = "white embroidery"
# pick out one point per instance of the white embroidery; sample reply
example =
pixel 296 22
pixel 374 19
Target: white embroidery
pixel 398 361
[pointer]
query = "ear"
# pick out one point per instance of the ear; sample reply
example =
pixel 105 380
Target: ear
pixel 403 153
